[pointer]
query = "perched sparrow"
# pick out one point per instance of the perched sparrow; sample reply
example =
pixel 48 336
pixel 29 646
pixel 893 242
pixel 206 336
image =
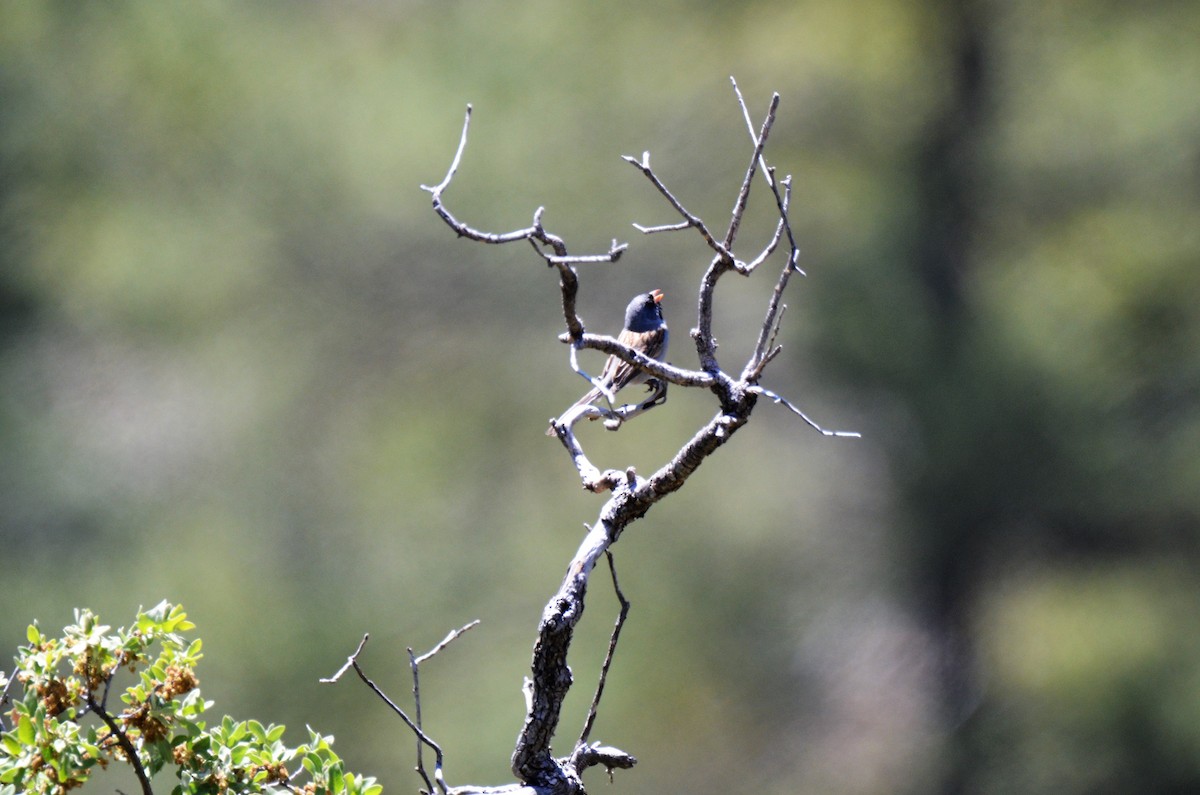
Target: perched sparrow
pixel 646 332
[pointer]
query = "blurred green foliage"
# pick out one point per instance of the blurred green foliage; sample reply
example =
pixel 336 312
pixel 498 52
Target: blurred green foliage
pixel 246 369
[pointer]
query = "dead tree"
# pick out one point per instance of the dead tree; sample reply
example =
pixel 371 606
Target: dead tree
pixel 631 495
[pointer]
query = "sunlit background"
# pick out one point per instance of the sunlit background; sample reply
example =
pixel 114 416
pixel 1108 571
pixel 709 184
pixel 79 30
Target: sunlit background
pixel 244 367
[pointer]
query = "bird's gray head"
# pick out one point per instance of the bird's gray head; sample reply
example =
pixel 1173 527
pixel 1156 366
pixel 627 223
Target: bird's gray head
pixel 644 312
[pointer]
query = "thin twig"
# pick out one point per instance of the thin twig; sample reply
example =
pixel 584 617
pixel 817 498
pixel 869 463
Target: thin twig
pixel 416 691
pixel 755 364
pixel 349 662
pixel 772 350
pixel 768 173
pixel 706 346
pixel 591 379
pixel 650 230
pixel 753 264
pixel 452 636
pixel 107 685
pixel 614 253
pixel 462 145
pixel 421 735
pixel 760 142
pixel 437 749
pixel 761 390
pixel 757 360
pixel 123 740
pixel 608 658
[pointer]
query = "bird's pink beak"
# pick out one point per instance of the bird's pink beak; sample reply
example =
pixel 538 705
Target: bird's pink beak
pixel 657 295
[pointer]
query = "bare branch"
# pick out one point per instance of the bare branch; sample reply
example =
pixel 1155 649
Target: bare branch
pixel 813 423
pixel 769 329
pixel 760 142
pixel 650 230
pixel 778 325
pixel 467 231
pixel 737 91
pixel 613 418
pixel 535 234
pixel 609 757
pixel 608 658
pixel 446 641
pixel 349 662
pixel 653 367
pixel 507 789
pixel 415 667
pixel 772 349
pixel 598 383
pixel 593 479
pixel 462 145
pixel 415 664
pixel 352 662
pixel 614 253
pixel 774 241
pixel 691 220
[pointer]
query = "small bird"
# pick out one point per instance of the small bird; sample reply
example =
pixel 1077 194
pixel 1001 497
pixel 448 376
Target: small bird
pixel 646 332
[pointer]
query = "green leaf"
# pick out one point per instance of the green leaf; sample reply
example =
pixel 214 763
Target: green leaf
pixel 256 729
pixel 33 635
pixel 25 731
pixel 11 744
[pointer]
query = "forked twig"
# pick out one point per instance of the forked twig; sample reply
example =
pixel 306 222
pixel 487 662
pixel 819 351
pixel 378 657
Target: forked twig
pixel 535 234
pixel 415 726
pixel 768 173
pixel 415 664
pixel 773 243
pixel 756 159
pixel 690 220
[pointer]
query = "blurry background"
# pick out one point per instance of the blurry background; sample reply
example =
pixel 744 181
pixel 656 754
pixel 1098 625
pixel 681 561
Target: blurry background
pixel 246 368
